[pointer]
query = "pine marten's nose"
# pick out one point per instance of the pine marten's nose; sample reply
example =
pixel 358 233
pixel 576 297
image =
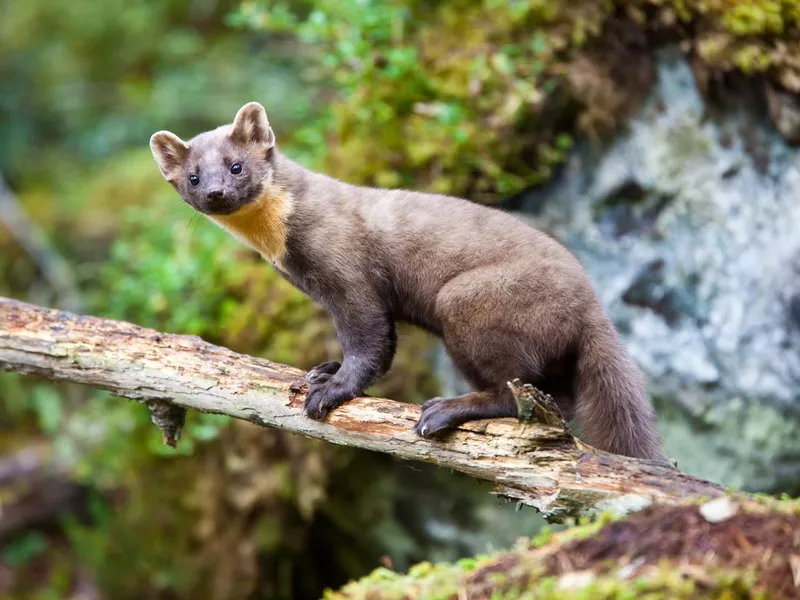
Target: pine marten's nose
pixel 214 194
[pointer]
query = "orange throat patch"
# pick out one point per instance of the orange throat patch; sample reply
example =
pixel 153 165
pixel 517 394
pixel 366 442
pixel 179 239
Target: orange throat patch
pixel 262 224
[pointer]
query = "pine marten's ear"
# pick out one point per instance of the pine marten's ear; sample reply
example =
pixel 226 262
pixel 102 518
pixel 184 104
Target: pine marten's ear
pixel 251 126
pixel 170 152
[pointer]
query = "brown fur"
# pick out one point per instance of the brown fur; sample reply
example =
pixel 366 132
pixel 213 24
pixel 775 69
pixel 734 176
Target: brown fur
pixel 508 300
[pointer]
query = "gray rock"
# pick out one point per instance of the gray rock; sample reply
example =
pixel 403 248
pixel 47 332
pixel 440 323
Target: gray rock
pixel 689 228
pixel 784 108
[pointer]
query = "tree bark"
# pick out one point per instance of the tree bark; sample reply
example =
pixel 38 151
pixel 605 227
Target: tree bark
pixel 539 465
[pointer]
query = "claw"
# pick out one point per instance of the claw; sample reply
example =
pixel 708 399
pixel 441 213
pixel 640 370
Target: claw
pixel 324 395
pixel 436 417
pixel 327 368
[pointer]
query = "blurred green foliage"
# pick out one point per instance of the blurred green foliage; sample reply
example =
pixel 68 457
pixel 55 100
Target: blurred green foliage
pixel 482 98
pixel 430 95
pixel 84 86
pixel 168 270
pixel 83 80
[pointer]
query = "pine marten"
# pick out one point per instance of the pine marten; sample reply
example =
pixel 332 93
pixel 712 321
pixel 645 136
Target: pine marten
pixel 507 300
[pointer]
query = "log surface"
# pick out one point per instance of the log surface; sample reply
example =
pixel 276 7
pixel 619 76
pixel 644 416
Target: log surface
pixel 540 466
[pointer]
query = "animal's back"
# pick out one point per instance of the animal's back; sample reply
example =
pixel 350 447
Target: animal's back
pixel 426 240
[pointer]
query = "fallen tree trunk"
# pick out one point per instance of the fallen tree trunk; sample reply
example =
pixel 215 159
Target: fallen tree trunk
pixel 539 465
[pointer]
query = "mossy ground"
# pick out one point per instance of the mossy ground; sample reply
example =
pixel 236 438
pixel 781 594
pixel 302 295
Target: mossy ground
pixel 660 552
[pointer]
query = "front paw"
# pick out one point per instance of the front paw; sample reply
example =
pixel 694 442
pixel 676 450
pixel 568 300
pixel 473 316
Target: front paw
pixel 318 374
pixel 437 416
pixel 323 396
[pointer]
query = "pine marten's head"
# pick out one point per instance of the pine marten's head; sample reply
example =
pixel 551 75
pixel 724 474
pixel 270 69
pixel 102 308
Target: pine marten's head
pixel 220 171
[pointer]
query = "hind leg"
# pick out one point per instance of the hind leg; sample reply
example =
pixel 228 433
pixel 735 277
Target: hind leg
pixel 481 362
pixel 495 330
pixel 441 414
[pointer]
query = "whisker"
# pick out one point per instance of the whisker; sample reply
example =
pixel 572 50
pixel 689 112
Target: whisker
pixel 188 222
pixel 196 219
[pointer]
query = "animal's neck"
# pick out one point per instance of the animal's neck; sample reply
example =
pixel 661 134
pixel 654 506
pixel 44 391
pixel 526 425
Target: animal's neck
pixel 262 224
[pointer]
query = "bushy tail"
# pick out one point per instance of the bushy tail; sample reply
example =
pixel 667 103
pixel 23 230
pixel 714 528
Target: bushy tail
pixel 613 410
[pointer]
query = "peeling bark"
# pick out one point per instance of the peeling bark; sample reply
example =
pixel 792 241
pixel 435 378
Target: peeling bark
pixel 539 465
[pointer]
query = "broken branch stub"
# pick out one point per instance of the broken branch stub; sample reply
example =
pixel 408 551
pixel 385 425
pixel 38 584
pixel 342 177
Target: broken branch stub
pixel 169 419
pixel 533 405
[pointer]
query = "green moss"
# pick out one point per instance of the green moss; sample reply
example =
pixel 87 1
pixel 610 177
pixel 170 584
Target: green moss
pixel 423 580
pixel 544 536
pixel 443 580
pixel 754 18
pixel 518 574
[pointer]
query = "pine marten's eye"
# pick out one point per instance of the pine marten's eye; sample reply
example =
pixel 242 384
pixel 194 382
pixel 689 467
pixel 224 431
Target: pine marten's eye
pixel 236 168
pixel 194 179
